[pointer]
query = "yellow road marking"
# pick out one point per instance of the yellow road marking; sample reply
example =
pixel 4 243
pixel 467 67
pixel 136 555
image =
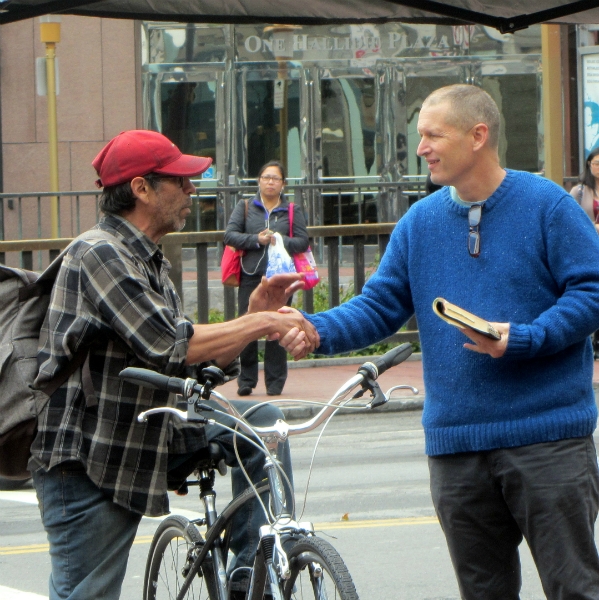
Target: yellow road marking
pixel 363 524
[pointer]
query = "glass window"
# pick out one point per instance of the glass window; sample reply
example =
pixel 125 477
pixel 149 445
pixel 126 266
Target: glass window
pixel 273 124
pixel 348 127
pixel 188 120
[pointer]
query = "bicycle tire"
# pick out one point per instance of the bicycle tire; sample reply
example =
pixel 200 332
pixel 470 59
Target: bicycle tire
pixel 168 560
pixel 334 582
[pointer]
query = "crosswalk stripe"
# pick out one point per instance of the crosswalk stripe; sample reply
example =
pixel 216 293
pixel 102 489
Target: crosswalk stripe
pixel 7 593
pixel 25 496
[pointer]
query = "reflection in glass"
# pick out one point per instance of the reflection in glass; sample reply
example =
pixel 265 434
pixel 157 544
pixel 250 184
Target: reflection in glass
pixel 348 127
pixel 273 124
pixel 349 146
pixel 188 120
pixel 518 101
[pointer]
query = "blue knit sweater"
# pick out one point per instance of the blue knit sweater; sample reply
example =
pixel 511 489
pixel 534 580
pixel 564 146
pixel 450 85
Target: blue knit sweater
pixel 538 270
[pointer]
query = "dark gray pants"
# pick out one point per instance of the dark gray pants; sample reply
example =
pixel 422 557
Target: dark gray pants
pixel 548 493
pixel 275 356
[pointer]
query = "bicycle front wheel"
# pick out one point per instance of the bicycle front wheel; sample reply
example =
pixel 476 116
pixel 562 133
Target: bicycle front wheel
pixel 317 571
pixel 173 548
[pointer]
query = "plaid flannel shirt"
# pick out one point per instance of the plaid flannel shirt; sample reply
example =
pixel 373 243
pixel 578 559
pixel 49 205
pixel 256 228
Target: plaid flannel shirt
pixel 116 298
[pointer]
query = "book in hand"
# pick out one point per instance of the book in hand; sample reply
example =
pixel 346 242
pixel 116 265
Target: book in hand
pixel 454 315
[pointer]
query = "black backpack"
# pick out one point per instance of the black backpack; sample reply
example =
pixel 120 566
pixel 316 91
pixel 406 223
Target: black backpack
pixel 24 301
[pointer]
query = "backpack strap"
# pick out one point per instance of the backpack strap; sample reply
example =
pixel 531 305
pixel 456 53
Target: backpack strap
pixel 291 219
pixel 81 358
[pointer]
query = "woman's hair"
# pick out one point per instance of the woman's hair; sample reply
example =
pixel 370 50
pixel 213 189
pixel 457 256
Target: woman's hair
pixel 587 177
pixel 119 199
pixel 272 163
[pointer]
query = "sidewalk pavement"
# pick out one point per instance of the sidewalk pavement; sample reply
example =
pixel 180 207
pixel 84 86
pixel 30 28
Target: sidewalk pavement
pixel 319 379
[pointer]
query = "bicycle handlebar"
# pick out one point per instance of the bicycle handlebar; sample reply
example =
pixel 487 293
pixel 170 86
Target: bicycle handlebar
pixel 153 380
pixel 367 373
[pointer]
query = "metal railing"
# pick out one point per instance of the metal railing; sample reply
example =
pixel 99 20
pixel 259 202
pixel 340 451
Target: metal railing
pixel 195 260
pixel 22 215
pixel 344 252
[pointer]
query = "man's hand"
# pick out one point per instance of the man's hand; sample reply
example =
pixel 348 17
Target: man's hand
pixel 484 345
pixel 273 293
pixel 301 340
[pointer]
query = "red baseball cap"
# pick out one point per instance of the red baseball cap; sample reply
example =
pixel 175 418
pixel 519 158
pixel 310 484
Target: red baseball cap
pixel 138 152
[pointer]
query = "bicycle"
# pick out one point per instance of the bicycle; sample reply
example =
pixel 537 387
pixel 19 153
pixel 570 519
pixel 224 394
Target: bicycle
pixel 291 562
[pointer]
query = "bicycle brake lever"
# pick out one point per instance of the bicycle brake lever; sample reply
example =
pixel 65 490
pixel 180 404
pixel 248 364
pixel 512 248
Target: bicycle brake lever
pixel 359 393
pixel 378 397
pixel 201 406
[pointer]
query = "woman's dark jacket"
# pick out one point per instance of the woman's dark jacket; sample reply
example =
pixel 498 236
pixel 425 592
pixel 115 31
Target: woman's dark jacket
pixel 242 233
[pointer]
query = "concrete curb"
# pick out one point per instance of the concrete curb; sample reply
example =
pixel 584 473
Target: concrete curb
pixel 331 362
pixel 303 412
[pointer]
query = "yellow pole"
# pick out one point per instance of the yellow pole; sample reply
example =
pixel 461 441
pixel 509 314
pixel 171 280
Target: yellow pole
pixel 553 108
pixel 50 35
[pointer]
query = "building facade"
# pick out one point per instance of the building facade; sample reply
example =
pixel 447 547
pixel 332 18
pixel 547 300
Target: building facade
pixel 335 103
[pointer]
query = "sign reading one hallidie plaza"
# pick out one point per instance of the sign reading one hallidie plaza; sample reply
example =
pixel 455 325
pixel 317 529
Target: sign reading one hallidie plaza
pixel 282 45
pixel 353 41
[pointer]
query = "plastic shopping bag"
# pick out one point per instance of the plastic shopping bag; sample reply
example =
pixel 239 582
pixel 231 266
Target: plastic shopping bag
pixel 279 260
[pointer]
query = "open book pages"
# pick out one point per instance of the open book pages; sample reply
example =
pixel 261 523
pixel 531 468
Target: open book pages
pixel 454 315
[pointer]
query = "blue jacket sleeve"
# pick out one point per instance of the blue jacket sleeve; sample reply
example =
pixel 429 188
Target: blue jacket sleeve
pixel 383 307
pixel 572 255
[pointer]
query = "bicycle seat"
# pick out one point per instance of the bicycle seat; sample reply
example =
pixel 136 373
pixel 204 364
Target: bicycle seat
pixel 210 457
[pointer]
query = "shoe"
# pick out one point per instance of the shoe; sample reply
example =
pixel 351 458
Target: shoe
pixel 244 390
pixel 274 392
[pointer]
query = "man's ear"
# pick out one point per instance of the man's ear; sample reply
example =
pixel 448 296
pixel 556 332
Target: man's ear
pixel 480 136
pixel 140 188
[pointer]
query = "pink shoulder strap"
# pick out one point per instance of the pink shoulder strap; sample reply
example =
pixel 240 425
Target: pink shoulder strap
pixel 291 219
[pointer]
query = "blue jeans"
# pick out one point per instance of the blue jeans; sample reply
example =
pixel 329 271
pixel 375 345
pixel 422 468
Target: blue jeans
pixel 89 535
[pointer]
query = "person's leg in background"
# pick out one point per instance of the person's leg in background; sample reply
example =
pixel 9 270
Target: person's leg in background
pixel 248 377
pixel 275 368
pixel 275 365
pixel 249 519
pixel 90 536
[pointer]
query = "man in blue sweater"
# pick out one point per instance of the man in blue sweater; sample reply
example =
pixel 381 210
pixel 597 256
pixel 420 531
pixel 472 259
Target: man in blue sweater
pixel 509 422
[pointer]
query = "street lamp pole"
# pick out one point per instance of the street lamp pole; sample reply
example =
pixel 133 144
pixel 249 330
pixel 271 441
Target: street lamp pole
pixel 50 35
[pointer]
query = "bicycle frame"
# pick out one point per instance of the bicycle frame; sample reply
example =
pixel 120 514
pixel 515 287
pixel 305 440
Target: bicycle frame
pixel 271 565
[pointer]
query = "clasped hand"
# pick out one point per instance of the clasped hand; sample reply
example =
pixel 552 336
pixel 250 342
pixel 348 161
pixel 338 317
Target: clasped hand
pixel 297 335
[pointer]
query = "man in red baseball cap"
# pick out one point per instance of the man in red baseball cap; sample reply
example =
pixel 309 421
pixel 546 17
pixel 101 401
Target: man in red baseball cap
pixel 139 152
pixel 114 302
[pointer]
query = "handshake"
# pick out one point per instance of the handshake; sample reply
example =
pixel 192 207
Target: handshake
pixel 296 334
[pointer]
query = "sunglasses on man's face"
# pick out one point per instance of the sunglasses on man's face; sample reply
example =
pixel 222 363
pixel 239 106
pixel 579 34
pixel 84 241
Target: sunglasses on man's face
pixel 474 215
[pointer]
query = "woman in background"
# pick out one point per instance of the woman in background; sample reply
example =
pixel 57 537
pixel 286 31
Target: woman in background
pixel 253 231
pixel 586 193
